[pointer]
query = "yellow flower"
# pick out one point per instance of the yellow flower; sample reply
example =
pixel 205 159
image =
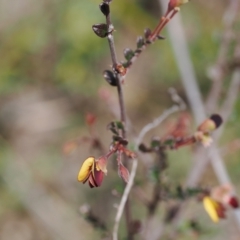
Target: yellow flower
pixel 214 209
pixel 92 172
pixel 86 169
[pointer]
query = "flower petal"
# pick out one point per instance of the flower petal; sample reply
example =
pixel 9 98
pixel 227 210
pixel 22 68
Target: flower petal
pixel 98 177
pixel 204 138
pixel 91 181
pixel 85 169
pixel 210 206
pixel 101 164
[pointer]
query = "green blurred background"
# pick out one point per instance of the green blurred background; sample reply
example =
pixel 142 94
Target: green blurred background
pixel 51 66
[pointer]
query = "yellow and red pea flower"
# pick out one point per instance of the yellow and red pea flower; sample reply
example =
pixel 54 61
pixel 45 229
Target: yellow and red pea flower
pixel 215 209
pixel 206 127
pixel 93 171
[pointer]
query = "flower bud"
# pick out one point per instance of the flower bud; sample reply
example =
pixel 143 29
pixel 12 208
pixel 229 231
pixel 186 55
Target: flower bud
pixel 175 3
pixel 128 54
pixel 211 123
pixel 110 77
pixel 140 42
pixel 104 7
pixel 101 30
pixel 233 202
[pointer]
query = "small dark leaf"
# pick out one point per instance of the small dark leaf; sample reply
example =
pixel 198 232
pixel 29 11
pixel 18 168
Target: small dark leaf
pixel 147 33
pixel 160 37
pixel 104 7
pixel 124 142
pixel 143 148
pixel 112 127
pixel 120 140
pixel 110 77
pixel 172 213
pixel 140 42
pixel 180 192
pixel 128 54
pixel 195 226
pixel 117 138
pixel 101 30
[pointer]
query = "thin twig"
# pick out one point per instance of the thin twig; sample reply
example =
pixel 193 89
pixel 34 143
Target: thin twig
pixel 122 108
pixel 155 35
pixel 114 65
pixel 181 106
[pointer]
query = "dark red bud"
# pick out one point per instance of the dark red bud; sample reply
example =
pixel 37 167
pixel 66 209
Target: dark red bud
pixel 233 202
pixel 217 119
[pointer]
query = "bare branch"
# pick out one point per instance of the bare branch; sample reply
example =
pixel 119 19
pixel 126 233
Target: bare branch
pixel 175 108
pixel 217 72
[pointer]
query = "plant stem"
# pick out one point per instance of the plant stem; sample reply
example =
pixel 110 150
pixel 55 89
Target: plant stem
pixel 128 216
